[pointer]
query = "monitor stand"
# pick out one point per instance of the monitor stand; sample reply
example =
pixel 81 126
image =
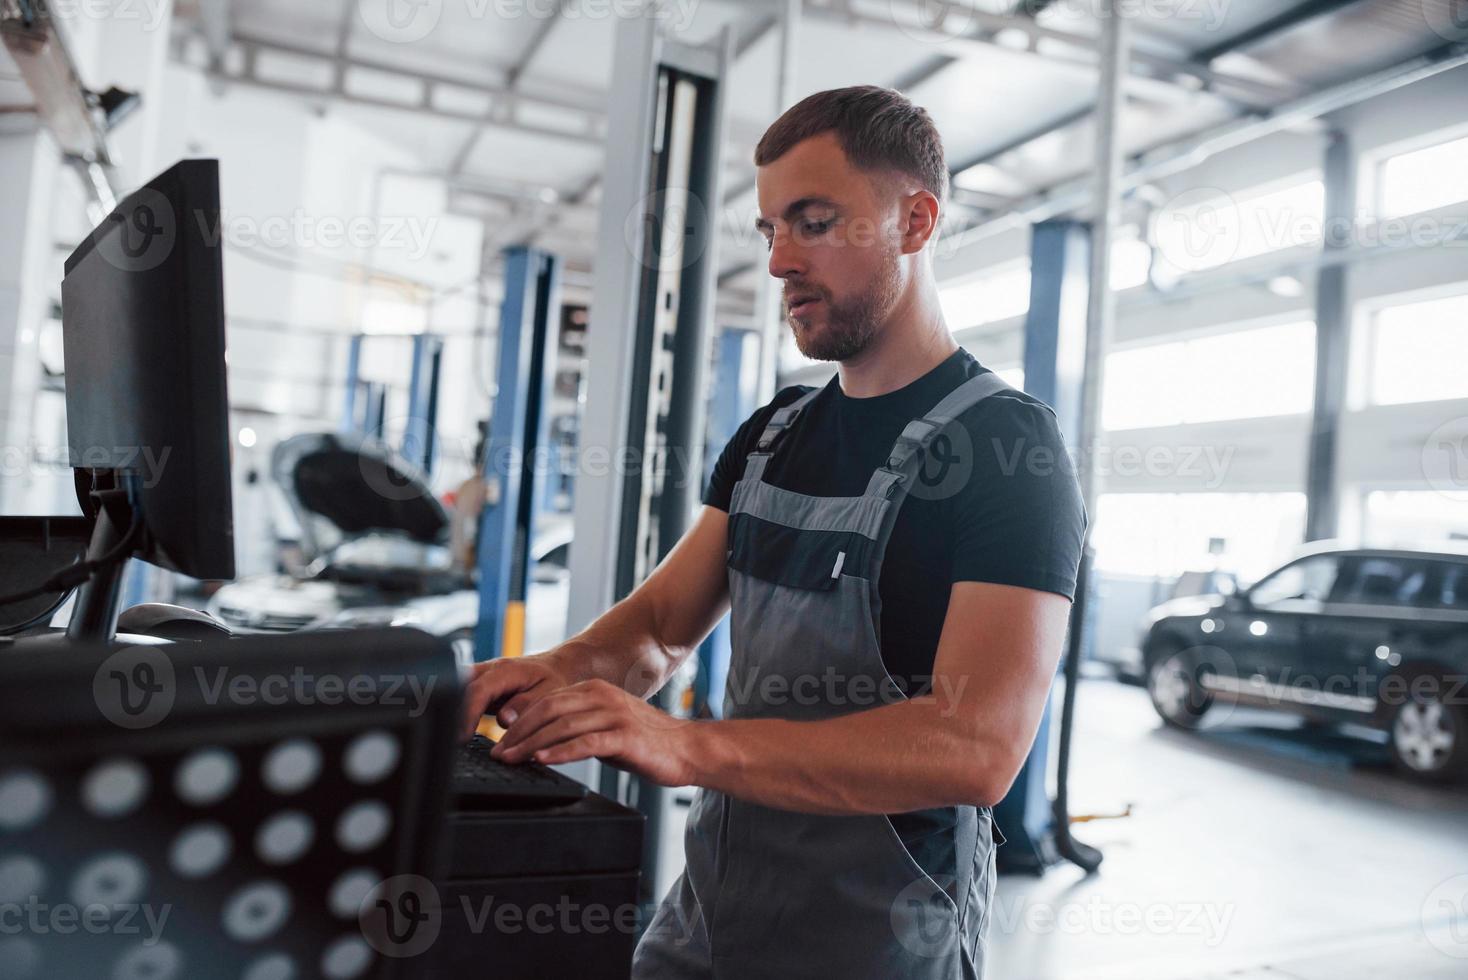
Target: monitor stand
pixel 99 600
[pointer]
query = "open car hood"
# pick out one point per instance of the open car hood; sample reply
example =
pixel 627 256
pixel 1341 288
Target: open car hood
pixel 342 486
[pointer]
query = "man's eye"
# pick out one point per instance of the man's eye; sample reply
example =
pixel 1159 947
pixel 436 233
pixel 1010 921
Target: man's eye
pixel 817 227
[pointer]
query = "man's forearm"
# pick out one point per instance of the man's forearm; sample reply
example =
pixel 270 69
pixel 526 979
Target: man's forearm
pixel 622 647
pixel 893 759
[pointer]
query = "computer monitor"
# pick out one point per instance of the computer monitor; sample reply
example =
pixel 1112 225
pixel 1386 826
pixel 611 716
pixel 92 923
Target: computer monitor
pixel 142 309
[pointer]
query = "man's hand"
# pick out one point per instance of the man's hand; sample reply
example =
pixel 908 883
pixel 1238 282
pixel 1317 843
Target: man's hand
pixel 600 720
pixel 509 686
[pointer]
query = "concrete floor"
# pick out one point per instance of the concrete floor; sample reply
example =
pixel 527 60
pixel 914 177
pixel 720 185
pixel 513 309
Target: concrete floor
pixel 1255 850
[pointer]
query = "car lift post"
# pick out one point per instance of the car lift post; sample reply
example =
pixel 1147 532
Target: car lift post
pixel 420 438
pixel 652 315
pixel 530 319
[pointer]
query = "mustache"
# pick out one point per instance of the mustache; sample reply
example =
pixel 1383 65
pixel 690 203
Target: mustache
pixel 802 291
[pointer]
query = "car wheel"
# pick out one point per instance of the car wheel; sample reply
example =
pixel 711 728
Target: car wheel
pixel 462 642
pixel 1173 683
pixel 1429 738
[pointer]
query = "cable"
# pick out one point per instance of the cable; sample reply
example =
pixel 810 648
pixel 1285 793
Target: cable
pixel 77 573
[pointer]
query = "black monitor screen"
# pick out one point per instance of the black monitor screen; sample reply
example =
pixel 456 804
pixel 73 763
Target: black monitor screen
pixel 143 321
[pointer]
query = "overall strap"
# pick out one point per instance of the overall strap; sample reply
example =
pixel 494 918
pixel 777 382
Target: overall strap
pixel 774 431
pixel 907 453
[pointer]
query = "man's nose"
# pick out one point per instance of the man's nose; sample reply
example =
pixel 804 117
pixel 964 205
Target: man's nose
pixel 785 257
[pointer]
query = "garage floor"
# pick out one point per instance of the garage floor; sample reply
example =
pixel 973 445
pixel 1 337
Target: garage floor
pixel 1255 849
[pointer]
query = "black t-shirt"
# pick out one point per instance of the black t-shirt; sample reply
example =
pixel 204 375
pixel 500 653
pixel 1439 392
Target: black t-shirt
pixel 1017 520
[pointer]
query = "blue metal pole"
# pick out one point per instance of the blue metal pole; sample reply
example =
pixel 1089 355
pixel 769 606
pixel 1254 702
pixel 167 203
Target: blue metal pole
pixel 529 325
pixel 354 379
pixel 1054 360
pixel 420 434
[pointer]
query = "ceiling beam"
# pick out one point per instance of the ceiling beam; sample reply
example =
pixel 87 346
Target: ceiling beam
pixel 984 30
pixel 1278 24
pixel 504 101
pixel 512 81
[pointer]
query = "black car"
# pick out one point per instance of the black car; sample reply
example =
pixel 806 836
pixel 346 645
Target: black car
pixel 1372 637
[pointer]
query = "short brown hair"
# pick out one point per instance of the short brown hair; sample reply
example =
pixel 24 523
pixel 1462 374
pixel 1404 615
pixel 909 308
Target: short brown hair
pixel 879 130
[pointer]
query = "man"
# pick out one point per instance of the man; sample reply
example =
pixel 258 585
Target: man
pixel 899 593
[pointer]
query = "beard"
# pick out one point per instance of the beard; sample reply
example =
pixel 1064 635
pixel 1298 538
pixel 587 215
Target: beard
pixel 852 324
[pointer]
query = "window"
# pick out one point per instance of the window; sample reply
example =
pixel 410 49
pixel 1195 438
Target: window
pixel 1308 580
pixel 1414 519
pixel 1242 374
pixel 1198 231
pixel 1423 180
pixel 1381 582
pixel 1418 352
pixel 998 294
pixel 1163 535
pixel 1451 590
pixel 991 296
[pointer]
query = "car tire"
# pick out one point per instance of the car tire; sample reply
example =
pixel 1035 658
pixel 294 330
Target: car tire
pixel 1429 737
pixel 1173 674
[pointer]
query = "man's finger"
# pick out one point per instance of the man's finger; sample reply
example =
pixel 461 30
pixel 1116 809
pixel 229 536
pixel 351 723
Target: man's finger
pixel 491 686
pixel 592 746
pixel 560 730
pixel 568 700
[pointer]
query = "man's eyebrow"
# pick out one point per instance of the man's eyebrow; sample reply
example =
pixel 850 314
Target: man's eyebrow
pixel 796 207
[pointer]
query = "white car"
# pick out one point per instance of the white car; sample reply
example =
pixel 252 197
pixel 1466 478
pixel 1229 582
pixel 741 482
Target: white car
pixel 377 540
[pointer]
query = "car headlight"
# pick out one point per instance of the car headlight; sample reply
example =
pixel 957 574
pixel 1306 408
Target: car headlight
pixel 376 616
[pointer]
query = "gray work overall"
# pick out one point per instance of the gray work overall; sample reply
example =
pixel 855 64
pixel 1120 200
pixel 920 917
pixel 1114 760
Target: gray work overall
pixel 777 894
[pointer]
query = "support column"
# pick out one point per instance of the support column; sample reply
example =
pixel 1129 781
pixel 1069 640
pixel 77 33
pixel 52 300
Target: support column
pixel 1054 359
pixel 769 301
pixel 28 281
pixel 1332 343
pixel 530 321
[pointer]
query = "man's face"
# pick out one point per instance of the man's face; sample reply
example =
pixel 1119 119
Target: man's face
pixel 833 238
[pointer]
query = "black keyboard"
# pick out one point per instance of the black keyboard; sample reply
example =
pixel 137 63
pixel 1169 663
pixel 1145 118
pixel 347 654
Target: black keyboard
pixel 480 780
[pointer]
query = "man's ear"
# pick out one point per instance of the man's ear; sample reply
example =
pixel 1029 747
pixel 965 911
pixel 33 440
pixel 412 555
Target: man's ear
pixel 920 214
